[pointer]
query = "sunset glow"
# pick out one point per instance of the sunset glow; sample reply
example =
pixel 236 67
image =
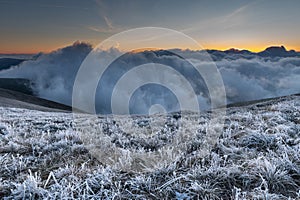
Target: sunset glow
pixel 33 26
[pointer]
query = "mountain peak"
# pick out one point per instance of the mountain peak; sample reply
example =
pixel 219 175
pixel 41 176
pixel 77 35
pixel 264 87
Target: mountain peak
pixel 279 51
pixel 237 51
pixel 276 48
pixel 232 50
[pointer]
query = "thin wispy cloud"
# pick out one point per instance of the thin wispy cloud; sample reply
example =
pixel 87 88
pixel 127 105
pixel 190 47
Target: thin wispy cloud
pixel 108 28
pixel 231 19
pixel 236 12
pixel 103 29
pixel 108 23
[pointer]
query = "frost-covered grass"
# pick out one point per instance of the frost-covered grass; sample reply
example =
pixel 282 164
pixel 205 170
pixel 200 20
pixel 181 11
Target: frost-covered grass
pixel 256 157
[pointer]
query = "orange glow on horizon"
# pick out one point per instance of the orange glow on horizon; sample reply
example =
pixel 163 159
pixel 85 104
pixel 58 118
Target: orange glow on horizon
pixel 252 48
pixel 28 51
pixel 48 49
pixel 34 47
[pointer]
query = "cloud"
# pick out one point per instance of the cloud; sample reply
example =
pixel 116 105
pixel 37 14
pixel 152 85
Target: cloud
pixel 108 23
pixel 234 18
pixel 52 74
pixel 259 78
pixel 101 30
pixel 110 28
pixel 245 78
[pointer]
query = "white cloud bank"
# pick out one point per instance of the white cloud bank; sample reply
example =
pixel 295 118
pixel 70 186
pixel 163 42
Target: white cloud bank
pixel 245 77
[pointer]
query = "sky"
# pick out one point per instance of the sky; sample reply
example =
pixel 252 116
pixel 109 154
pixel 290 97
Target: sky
pixel 34 26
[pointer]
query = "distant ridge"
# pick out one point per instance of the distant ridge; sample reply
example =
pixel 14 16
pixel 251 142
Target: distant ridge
pixel 277 51
pixel 9 98
pixel 6 63
pixel 247 103
pixel 272 51
pixel 17 84
pixel 232 53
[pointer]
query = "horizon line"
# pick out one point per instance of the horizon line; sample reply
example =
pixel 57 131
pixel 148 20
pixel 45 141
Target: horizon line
pixel 257 50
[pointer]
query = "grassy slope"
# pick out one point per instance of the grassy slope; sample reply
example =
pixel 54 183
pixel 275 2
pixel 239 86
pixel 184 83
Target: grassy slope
pixel 257 157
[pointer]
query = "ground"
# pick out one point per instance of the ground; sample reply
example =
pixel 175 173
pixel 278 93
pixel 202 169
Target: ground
pixel 257 156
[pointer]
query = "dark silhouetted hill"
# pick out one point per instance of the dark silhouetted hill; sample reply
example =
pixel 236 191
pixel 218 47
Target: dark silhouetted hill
pixel 276 51
pixel 15 99
pixel 17 84
pixel 6 63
